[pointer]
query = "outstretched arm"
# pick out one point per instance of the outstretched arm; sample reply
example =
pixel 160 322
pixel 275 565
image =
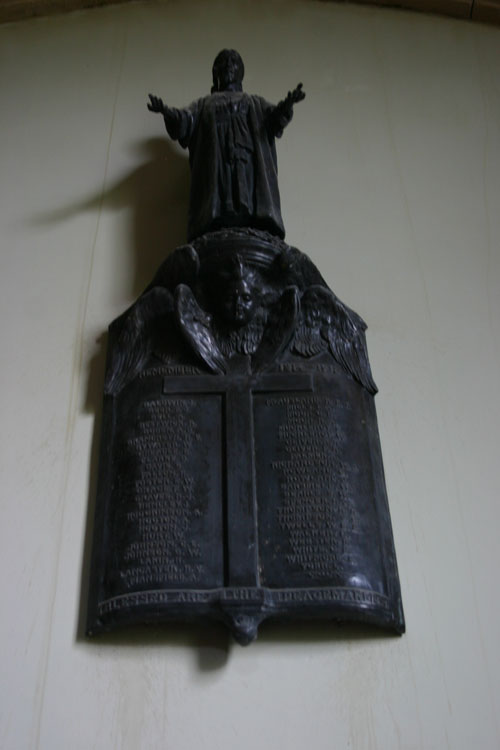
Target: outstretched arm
pixel 283 112
pixel 178 122
pixel 155 104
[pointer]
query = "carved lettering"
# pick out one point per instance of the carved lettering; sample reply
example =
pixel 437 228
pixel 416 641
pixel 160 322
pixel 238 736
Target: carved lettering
pixel 170 370
pixel 291 597
pixel 159 506
pixel 314 515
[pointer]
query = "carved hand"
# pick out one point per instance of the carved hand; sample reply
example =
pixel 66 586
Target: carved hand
pixel 156 104
pixel 285 107
pixel 296 95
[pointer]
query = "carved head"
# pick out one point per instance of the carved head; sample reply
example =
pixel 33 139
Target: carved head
pixel 239 296
pixel 228 71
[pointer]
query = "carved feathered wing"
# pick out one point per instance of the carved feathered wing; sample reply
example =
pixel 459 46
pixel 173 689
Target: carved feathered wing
pixel 279 329
pixel 180 267
pixel 134 340
pixel 196 326
pixel 344 331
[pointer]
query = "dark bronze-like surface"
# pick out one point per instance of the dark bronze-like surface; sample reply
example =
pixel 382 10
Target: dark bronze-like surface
pixel 240 473
pixel 241 476
pixel 230 136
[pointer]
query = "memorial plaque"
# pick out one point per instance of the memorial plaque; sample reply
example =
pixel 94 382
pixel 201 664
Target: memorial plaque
pixel 241 474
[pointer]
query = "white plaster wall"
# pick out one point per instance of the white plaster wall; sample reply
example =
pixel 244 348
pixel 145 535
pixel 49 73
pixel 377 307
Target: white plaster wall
pixel 390 180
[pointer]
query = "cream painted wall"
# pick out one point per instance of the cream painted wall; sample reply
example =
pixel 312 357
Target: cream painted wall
pixel 390 180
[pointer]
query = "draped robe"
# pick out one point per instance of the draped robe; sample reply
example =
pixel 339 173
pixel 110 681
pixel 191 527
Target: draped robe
pixel 232 155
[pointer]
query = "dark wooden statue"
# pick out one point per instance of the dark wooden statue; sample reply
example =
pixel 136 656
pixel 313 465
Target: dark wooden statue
pixel 241 474
pixel 230 136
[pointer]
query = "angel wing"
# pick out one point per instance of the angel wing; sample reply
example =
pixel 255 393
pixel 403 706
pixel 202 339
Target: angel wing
pixel 133 339
pixel 279 329
pixel 196 326
pixel 180 267
pixel 344 331
pixel 297 269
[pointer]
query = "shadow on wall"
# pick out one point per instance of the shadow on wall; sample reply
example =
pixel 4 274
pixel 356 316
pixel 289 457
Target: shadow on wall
pixel 156 194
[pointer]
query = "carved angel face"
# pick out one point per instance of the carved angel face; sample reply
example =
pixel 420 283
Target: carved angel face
pixel 239 303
